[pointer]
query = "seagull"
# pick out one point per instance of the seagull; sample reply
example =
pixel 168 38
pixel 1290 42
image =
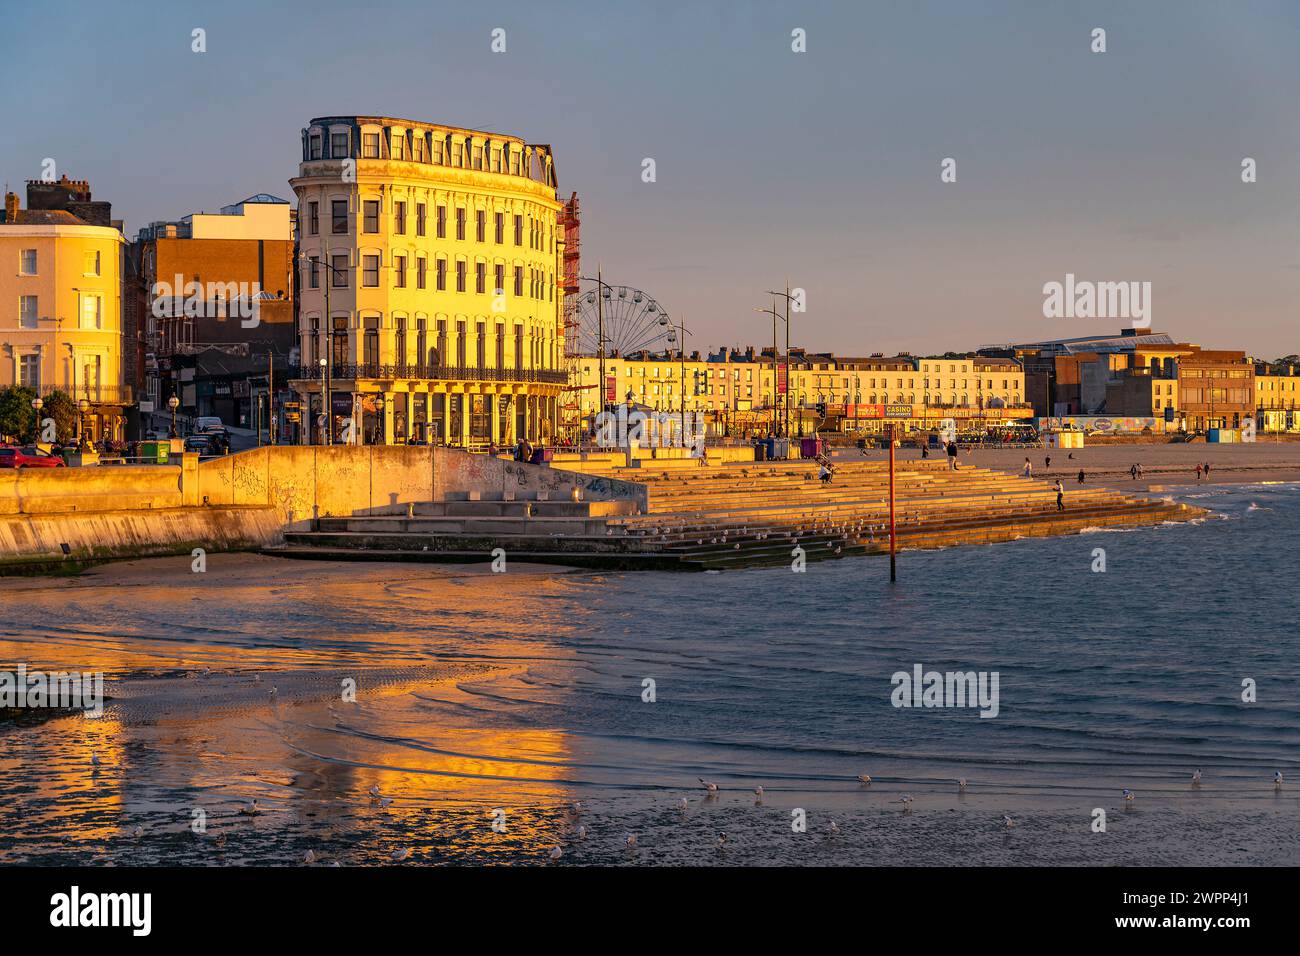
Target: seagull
pixel 309 857
pixel 1196 778
pixel 556 853
pixel 219 840
pixel 684 805
pixel 758 794
pixel 577 807
pixel 864 778
pixel 137 832
pixel 399 855
pixel 835 828
pixel 711 787
pixel 386 802
pixel 1128 795
pixel 630 841
pixel 722 841
pixel 374 790
pixel 250 810
pixel 907 803
pixel 94 760
pixel 961 784
pixel 582 831
pixel 1007 822
pixel 1277 780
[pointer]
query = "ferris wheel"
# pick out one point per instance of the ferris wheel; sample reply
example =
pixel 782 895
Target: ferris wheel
pixel 632 320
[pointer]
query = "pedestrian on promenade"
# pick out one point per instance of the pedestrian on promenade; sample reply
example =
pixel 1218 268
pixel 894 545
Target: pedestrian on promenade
pixel 925 451
pixel 1133 472
pixel 1198 471
pixel 1060 495
pixel 1080 476
pixel 1047 462
pixel 1029 469
pixel 1139 467
pixel 951 450
pixel 1207 471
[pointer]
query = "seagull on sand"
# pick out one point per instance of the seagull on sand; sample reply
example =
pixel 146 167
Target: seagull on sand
pixel 1196 778
pixel 250 810
pixel 386 802
pixel 374 791
pixel 1277 780
pixel 758 794
pixel 630 841
pixel 907 803
pixel 722 841
pixel 1007 822
pixel 684 805
pixel 864 778
pixel 137 832
pixel 961 784
pixel 309 857
pixel 707 785
pixel 556 853
pixel 1128 795
pixel 399 855
pixel 94 760
pixel 582 831
pixel 835 828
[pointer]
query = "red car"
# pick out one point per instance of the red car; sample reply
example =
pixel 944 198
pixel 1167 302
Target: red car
pixel 29 456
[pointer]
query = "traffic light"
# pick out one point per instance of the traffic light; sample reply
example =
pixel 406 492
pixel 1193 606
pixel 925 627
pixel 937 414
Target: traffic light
pixel 821 409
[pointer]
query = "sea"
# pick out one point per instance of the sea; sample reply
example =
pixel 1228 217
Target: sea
pixel 278 712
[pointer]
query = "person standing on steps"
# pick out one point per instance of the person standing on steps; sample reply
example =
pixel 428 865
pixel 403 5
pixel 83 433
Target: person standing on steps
pixel 952 456
pixel 1060 495
pixel 1080 476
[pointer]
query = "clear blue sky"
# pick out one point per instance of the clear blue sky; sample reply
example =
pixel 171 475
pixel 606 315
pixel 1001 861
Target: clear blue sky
pixel 822 167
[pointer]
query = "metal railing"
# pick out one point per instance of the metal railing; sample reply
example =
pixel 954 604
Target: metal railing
pixel 95 394
pixel 340 373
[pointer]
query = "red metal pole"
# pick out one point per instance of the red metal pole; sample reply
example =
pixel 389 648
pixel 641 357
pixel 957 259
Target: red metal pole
pixel 893 568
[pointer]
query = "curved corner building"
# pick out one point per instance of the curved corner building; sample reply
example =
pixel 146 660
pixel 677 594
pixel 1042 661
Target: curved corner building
pixel 430 270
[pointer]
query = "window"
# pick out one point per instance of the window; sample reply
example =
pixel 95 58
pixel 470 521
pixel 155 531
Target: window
pixel 460 275
pixel 460 223
pixel 500 224
pixel 398 145
pixel 370 210
pixel 370 346
pixel 399 271
pixel 27 311
pixel 480 345
pixel 313 272
pixel 400 340
pixel 339 216
pixel 519 280
pixel 480 277
pixel 313 342
pixel 442 222
pixel 480 225
pixel 29 371
pixel 92 264
pixel 339 272
pixel 313 146
pixel 370 271
pixel 369 145
pixel 399 218
pixel 500 287
pixel 519 230
pixel 338 145
pixel 27 262
pixel 92 312
pixel 313 218
pixel 460 344
pixel 442 275
pixel 417 154
pixel 421 272
pixel 421 214
pixel 340 340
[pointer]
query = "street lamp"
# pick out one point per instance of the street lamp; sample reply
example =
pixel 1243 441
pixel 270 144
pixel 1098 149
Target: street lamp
pixel 36 407
pixel 173 403
pixel 328 321
pixel 673 332
pixel 83 406
pixel 788 297
pixel 776 315
pixel 381 404
pixel 325 409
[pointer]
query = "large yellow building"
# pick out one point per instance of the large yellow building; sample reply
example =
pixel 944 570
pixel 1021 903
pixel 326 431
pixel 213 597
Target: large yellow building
pixel 1277 397
pixel 438 252
pixel 61 311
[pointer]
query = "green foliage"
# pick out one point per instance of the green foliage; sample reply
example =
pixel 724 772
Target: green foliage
pixel 61 407
pixel 17 416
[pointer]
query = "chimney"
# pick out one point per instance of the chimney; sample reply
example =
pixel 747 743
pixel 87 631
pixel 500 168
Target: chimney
pixel 11 207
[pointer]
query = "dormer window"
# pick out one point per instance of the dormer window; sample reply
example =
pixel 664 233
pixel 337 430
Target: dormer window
pixel 314 146
pixel 339 145
pixel 369 145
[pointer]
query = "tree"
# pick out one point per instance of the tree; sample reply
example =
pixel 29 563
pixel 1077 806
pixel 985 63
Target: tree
pixel 16 413
pixel 60 406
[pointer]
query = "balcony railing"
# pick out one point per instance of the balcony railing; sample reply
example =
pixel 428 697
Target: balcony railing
pixel 338 373
pixel 95 394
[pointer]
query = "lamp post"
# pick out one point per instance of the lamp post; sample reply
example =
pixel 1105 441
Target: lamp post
pixel 173 403
pixel 776 315
pixel 37 404
pixel 788 297
pixel 328 329
pixel 325 410
pixel 381 404
pixel 83 407
pixel 673 333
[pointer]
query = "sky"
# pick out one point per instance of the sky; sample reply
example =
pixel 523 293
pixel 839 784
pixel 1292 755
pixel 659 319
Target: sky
pixel 819 167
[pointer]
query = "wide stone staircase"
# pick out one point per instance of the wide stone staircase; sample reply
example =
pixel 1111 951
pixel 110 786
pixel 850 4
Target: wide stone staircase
pixel 740 516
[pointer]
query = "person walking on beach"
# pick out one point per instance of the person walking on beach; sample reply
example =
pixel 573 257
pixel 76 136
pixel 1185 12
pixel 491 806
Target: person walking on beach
pixel 1047 462
pixel 1080 476
pixel 1029 469
pixel 1060 495
pixel 952 456
pixel 1133 472
pixel 1207 471
pixel 1198 471
pixel 1139 468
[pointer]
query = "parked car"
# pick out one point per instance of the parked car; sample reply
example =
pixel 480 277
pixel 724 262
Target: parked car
pixel 28 456
pixel 207 423
pixel 203 444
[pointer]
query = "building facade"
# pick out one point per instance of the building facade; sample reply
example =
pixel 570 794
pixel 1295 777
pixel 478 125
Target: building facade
pixel 60 303
pixel 431 264
pixel 1277 397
